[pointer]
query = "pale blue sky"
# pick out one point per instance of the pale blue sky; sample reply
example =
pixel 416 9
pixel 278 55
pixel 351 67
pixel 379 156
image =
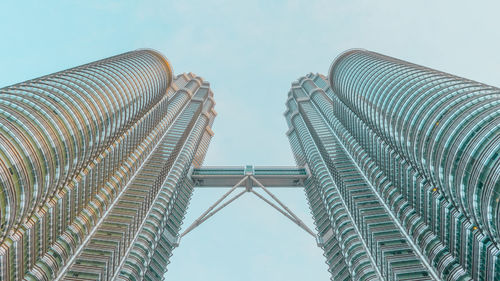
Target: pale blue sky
pixel 250 52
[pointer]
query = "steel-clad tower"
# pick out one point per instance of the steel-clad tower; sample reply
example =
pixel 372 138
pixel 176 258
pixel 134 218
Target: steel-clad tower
pixel 93 165
pixel 400 165
pixel 405 169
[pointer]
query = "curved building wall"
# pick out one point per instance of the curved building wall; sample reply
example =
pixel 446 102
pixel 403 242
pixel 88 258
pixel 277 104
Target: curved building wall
pixel 92 131
pixel 136 236
pixel 446 126
pixel 51 127
pixel 433 140
pixel 360 235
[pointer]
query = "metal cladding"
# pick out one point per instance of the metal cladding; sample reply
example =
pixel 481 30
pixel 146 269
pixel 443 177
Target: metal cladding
pixel 400 164
pixel 360 238
pixel 93 165
pixel 447 127
pixel 52 126
pixel 405 169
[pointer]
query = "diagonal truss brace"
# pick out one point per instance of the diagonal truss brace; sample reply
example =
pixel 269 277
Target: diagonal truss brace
pixel 293 217
pixel 213 209
pixel 204 217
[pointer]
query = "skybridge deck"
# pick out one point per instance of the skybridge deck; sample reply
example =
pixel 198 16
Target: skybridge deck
pixel 269 176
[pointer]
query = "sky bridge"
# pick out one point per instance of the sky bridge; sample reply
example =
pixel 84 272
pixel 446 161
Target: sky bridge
pixel 269 176
pixel 248 177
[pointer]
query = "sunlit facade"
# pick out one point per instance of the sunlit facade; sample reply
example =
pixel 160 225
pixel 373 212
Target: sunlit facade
pixel 405 165
pixel 93 165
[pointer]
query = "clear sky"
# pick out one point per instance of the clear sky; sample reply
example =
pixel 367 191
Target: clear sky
pixel 250 52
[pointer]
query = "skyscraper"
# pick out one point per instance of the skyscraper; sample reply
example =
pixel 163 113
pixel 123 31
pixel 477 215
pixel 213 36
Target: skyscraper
pixel 405 169
pixel 400 165
pixel 93 165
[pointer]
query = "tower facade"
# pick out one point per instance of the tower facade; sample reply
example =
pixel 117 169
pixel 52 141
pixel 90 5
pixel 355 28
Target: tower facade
pixel 405 169
pixel 93 165
pixel 400 164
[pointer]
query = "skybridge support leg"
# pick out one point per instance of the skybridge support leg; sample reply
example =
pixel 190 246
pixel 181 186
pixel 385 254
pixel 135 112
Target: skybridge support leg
pixel 213 209
pixel 304 227
pixel 298 221
pixel 202 218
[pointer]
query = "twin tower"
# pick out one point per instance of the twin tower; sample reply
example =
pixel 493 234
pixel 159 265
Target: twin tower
pixel 401 168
